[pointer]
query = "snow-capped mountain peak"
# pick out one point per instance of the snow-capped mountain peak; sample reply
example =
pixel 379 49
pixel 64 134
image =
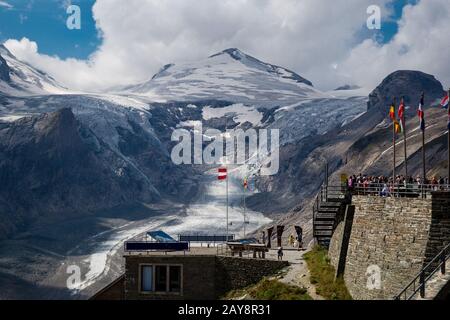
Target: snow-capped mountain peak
pixel 18 78
pixel 252 62
pixel 230 75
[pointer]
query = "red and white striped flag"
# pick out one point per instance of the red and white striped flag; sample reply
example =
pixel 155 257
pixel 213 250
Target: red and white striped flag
pixel 444 102
pixel 222 174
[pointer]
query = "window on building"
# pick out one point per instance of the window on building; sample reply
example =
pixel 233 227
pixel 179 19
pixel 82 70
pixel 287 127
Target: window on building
pixel 161 278
pixel 146 278
pixel 174 279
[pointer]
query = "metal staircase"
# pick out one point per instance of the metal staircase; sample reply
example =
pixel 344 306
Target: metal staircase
pixel 329 204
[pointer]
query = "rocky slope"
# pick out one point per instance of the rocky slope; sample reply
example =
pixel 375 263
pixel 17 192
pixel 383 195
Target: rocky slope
pixel 51 165
pixel 4 71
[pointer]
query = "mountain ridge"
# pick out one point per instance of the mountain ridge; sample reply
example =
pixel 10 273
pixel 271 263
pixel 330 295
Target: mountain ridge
pixel 22 79
pixel 228 75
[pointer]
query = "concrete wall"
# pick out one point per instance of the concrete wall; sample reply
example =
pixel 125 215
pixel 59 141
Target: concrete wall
pixel 204 277
pixel 392 238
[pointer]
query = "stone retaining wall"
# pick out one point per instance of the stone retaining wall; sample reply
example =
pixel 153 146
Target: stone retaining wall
pixel 236 273
pixel 390 241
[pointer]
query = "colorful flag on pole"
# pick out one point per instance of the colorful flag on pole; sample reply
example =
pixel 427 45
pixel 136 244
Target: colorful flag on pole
pixel 222 174
pixel 401 115
pixel 392 112
pixel 393 117
pixel 421 113
pixel 398 126
pixel 444 102
pixel 245 182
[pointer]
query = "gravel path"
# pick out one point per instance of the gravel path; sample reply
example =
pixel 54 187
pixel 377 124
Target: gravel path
pixel 297 273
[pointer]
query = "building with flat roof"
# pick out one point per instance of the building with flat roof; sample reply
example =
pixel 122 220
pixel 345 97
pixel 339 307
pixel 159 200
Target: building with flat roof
pixel 198 274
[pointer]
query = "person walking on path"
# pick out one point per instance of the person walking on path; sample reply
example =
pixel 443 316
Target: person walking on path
pixel 280 253
pixel 291 240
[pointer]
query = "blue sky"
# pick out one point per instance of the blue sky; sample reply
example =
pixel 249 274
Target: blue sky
pixel 390 27
pixel 44 21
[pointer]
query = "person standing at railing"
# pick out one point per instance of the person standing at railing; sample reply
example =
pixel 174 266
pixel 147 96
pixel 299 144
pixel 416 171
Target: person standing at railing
pixel 365 185
pixel 351 183
pixel 385 191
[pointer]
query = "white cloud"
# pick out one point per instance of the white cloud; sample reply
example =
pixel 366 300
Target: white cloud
pixel 316 38
pixel 5 4
pixel 422 43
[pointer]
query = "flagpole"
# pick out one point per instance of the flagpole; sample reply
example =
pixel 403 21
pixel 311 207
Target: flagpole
pixel 245 222
pixel 404 139
pixel 424 173
pixel 227 201
pixel 226 166
pixel 393 140
pixel 448 147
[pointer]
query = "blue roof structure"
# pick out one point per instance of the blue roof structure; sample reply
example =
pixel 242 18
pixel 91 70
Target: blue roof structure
pixel 160 236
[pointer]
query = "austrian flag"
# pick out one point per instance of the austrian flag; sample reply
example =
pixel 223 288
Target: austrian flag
pixel 222 174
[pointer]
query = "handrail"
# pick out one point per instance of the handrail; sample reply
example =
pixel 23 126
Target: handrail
pixel 390 190
pixel 423 277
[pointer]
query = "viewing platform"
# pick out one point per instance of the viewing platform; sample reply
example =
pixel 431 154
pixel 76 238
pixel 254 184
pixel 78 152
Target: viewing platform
pixel 387 241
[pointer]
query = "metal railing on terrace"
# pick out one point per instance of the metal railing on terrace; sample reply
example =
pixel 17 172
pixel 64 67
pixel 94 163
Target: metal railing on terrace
pixel 418 284
pixel 409 190
pixel 335 192
pixel 343 193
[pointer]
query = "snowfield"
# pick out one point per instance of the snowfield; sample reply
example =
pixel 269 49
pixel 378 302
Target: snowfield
pixel 241 114
pixel 230 75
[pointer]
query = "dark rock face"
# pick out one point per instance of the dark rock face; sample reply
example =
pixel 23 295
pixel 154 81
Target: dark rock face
pixel 347 87
pixel 52 165
pixel 4 70
pixel 408 84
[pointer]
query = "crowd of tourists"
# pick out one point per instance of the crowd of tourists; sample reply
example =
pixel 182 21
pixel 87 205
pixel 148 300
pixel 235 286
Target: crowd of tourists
pixel 385 186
